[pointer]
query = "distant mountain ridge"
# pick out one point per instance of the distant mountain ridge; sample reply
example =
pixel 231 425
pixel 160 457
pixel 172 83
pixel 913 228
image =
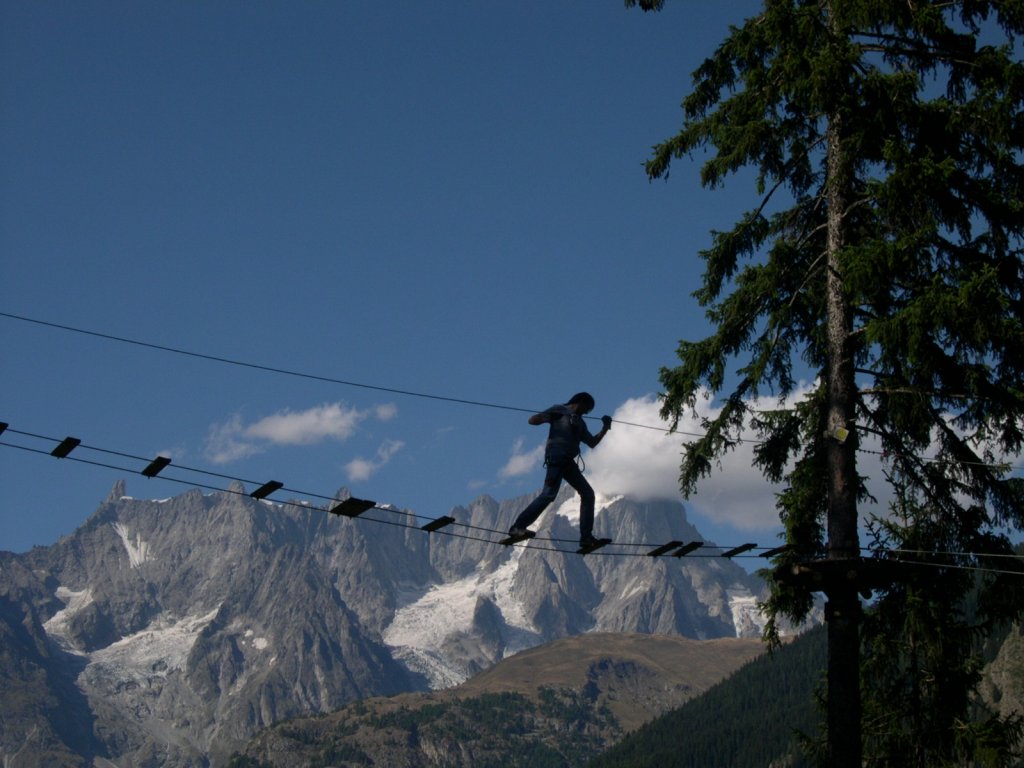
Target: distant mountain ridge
pixel 169 632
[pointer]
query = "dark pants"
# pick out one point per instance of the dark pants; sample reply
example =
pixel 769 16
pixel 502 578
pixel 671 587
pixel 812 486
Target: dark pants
pixel 557 472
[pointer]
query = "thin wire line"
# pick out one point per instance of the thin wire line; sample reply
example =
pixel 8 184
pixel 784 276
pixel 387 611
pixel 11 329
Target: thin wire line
pixel 1001 465
pixel 533 543
pixel 389 509
pixel 959 567
pixel 234 478
pixel 195 484
pixel 951 554
pixel 288 372
pixel 411 393
pixel 137 458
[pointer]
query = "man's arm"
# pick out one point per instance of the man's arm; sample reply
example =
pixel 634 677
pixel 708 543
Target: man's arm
pixel 595 439
pixel 540 418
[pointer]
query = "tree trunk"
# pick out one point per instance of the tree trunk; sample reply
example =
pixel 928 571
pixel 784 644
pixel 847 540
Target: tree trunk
pixel 843 609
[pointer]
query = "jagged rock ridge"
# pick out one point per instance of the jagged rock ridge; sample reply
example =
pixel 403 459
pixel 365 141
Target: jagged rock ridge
pixel 168 632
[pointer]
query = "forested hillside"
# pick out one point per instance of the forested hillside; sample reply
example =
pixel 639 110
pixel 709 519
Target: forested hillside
pixel 753 718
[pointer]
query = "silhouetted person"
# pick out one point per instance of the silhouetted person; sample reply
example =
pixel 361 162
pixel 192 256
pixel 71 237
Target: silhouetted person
pixel 567 431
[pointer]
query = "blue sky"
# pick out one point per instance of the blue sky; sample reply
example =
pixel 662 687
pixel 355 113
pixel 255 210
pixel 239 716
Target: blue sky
pixel 440 198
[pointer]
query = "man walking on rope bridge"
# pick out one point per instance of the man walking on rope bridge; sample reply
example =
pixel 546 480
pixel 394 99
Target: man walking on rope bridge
pixel 566 433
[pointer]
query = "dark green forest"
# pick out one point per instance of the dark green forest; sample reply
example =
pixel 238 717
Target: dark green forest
pixel 750 719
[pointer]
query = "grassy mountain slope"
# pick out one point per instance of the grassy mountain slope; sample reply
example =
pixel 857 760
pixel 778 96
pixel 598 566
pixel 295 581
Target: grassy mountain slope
pixel 556 705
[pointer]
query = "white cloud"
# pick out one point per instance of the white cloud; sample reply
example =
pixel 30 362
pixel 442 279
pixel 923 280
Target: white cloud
pixel 361 469
pixel 234 440
pixel 644 462
pixel 521 463
pixel 634 460
pixel 737 494
pixel 386 412
pixel 225 442
pixel 331 420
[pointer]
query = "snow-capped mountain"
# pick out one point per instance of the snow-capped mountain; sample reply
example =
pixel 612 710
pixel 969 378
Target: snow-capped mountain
pixel 508 596
pixel 168 632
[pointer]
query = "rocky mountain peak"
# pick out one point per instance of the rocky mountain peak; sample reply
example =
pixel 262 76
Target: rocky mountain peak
pixel 177 628
pixel 116 493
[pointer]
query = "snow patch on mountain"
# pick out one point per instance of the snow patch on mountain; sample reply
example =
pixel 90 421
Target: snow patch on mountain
pixel 161 648
pixel 138 550
pixel 747 616
pixel 425 621
pixel 57 625
pixel 259 643
pixel 637 586
pixel 570 508
pixel 500 583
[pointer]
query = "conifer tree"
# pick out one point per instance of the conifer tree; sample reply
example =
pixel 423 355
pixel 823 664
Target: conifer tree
pixel 885 255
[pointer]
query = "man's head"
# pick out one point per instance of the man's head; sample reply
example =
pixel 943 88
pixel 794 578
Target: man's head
pixel 583 401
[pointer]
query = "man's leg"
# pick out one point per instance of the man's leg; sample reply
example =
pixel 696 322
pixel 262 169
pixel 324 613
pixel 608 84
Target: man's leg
pixel 552 482
pixel 575 478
